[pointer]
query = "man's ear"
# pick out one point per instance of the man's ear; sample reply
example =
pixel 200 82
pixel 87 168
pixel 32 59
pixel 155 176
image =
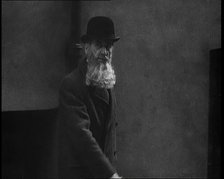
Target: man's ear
pixel 86 47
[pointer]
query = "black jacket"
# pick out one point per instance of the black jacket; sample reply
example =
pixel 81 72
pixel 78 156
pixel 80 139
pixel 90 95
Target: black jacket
pixel 86 128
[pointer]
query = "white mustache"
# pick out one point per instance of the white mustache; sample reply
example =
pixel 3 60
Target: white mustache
pixel 104 58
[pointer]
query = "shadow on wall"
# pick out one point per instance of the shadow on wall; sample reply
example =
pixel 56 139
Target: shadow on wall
pixel 28 143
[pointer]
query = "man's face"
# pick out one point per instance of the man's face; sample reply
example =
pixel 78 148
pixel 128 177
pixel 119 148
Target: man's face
pixel 101 51
pixel 100 71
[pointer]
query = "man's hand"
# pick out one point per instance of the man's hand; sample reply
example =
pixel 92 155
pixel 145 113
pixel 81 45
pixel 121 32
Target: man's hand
pixel 115 176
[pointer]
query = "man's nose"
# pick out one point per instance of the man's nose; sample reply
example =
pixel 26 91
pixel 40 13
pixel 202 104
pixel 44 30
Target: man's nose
pixel 104 51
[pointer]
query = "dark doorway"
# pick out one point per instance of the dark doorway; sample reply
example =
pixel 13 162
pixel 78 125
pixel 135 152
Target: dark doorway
pixel 214 143
pixel 28 143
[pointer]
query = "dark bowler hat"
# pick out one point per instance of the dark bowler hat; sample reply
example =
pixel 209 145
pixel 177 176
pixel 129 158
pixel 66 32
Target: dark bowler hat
pixel 100 28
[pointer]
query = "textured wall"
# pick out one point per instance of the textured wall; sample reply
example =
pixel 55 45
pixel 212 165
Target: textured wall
pixel 34 41
pixel 162 63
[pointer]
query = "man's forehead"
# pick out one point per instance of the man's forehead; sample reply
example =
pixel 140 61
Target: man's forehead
pixel 103 41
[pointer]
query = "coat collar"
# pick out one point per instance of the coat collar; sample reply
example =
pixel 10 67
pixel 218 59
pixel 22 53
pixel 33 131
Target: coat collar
pixel 101 94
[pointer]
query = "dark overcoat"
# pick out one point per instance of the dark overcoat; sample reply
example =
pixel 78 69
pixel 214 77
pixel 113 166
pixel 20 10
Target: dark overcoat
pixel 86 128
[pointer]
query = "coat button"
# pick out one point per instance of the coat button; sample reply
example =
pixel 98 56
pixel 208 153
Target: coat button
pixel 116 124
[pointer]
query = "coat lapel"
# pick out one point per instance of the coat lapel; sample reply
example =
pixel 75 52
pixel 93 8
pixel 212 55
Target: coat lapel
pixel 112 109
pixel 102 95
pixel 110 137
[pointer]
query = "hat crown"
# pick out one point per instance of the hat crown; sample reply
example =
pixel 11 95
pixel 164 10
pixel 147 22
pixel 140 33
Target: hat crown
pixel 100 27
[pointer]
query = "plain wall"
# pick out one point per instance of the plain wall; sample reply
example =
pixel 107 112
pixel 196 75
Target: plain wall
pixel 162 64
pixel 35 40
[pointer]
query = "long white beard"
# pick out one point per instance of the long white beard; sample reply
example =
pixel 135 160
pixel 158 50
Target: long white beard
pixel 100 75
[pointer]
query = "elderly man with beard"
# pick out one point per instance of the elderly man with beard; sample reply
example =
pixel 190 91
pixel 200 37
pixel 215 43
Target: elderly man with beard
pixel 87 124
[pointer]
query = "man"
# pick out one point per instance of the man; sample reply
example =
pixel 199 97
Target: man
pixel 87 147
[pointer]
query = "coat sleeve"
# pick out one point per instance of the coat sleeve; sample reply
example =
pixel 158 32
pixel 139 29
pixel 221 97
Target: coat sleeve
pixel 77 127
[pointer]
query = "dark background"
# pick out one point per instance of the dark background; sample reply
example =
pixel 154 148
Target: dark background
pixel 167 83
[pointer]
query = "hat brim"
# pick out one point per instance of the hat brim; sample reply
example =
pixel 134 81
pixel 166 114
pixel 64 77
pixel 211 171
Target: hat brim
pixel 86 38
